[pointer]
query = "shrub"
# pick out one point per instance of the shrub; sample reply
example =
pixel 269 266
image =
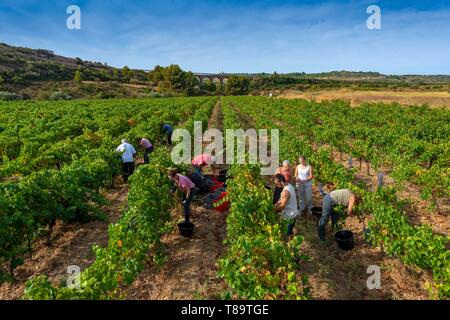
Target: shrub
pixel 59 95
pixel 155 95
pixel 9 96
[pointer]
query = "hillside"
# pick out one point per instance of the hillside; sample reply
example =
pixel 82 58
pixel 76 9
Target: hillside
pixel 41 74
pixel 22 65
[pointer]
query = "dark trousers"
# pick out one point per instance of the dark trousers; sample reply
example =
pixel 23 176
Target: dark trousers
pixel 128 170
pixel 277 194
pixel 290 228
pixel 146 157
pixel 187 204
pixel 327 212
pixel 169 138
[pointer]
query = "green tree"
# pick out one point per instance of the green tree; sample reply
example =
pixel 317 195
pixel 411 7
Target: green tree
pixel 126 73
pixel 174 76
pixel 238 85
pixel 116 74
pixel 209 86
pixel 174 79
pixel 190 80
pixel 156 75
pixel 104 74
pixel 78 76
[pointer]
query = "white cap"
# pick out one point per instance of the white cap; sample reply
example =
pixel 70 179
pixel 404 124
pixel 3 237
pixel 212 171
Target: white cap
pixel 285 162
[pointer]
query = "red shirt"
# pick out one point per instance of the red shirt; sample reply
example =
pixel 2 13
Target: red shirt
pixel 286 172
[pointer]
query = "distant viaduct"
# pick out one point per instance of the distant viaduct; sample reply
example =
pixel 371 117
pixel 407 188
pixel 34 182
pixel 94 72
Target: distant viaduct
pixel 219 76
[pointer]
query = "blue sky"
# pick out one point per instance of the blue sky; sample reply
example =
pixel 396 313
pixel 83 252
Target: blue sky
pixel 239 36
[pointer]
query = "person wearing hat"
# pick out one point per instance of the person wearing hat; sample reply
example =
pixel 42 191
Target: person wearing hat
pixel 128 153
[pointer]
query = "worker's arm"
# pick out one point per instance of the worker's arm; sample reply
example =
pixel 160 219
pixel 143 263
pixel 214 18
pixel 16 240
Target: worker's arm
pixel 351 204
pixel 281 204
pixel 188 192
pixel 296 174
pixel 310 173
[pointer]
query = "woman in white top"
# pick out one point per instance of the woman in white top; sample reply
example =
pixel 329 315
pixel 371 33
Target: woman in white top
pixel 303 177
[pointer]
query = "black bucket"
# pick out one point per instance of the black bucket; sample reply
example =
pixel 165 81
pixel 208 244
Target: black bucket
pixel 345 239
pixel 186 229
pixel 316 211
pixel 222 176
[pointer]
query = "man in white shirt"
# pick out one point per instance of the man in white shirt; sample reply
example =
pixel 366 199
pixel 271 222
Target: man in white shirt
pixel 128 152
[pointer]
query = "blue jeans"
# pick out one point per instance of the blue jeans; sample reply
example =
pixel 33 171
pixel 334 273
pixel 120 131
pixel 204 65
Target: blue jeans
pixel 327 212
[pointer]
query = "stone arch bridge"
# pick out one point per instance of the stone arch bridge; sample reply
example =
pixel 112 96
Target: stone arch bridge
pixel 213 76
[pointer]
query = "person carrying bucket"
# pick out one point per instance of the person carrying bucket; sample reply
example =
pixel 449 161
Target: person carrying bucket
pixel 187 187
pixel 342 197
pixel 287 204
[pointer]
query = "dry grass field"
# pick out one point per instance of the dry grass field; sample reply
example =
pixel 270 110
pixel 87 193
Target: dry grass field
pixel 432 98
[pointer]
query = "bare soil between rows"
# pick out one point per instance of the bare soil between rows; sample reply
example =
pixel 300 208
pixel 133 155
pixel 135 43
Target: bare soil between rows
pixel 341 275
pixel 191 270
pixel 71 245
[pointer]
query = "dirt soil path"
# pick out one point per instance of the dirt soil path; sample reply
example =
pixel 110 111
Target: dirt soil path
pixel 417 212
pixel 191 270
pixel 337 274
pixel 71 245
